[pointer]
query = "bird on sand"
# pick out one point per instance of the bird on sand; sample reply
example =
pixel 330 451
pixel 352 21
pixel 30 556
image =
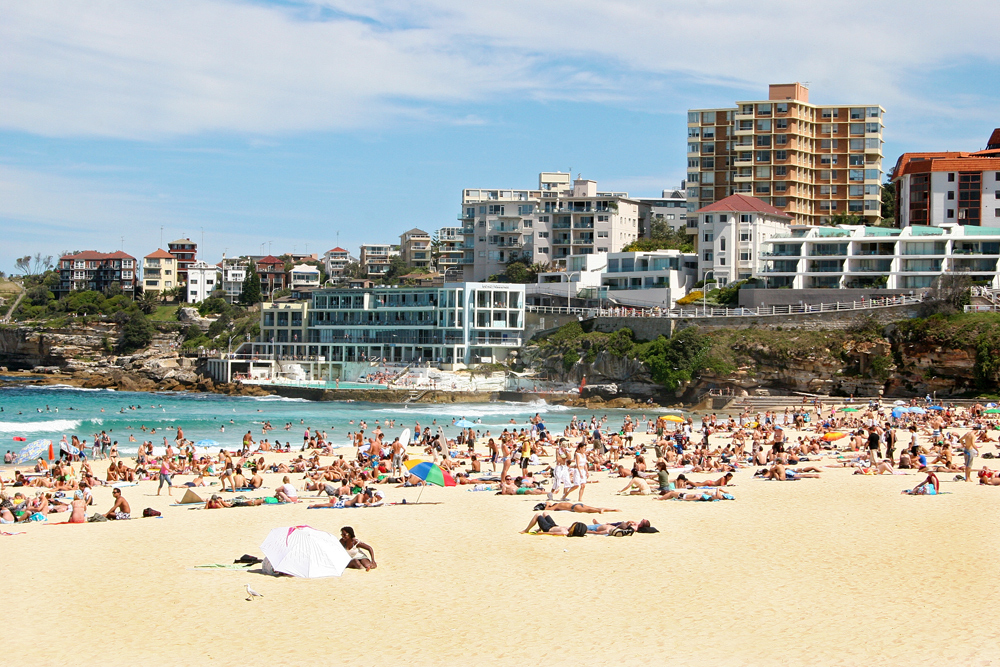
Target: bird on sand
pixel 253 594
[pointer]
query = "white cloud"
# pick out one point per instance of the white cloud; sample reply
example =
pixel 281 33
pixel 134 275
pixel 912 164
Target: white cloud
pixel 148 70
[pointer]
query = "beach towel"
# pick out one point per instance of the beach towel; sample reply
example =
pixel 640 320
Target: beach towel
pixel 121 485
pixel 11 534
pixel 223 566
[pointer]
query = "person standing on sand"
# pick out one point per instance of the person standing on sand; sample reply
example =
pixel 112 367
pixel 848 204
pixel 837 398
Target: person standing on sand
pixel 165 477
pixel 969 449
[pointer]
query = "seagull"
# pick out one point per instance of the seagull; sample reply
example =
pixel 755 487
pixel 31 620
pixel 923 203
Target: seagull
pixel 253 594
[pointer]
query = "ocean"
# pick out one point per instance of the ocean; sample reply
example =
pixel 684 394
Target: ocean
pixel 50 412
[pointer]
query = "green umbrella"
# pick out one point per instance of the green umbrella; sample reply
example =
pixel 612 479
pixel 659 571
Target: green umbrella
pixel 848 409
pixel 993 411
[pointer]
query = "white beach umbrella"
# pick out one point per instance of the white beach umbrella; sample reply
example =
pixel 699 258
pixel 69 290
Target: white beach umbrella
pixel 303 551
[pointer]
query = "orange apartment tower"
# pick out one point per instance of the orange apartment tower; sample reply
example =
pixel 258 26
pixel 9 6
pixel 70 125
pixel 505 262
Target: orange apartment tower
pixel 812 161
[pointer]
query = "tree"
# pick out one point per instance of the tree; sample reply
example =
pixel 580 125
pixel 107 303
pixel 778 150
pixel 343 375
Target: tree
pixel 33 266
pixel 679 241
pixel 147 302
pixel 397 268
pixel 250 294
pixel 354 270
pixel 845 219
pixel 86 302
pixel 137 333
pixel 888 211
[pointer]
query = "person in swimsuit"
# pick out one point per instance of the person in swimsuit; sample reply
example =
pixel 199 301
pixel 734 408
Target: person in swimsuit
pixel 547 525
pixel 715 494
pixel 79 509
pixel 354 546
pixel 121 509
pixel 552 506
pixel 929 487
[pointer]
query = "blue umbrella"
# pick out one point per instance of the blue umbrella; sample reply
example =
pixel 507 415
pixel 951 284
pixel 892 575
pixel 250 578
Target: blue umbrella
pixel 899 412
pixel 464 423
pixel 206 443
pixel 34 450
pixel 918 411
pixel 936 407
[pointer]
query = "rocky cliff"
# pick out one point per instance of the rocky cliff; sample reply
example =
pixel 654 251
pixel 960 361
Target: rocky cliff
pixel 82 356
pixel 952 357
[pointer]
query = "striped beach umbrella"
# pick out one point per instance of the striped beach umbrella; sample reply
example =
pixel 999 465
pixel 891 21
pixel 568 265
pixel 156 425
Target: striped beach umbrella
pixel 429 472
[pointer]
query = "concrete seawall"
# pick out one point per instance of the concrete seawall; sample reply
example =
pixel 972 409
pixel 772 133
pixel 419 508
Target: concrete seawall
pixel 381 395
pixel 649 328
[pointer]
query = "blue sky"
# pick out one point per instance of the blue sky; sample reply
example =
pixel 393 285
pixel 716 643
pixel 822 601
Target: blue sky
pixel 256 123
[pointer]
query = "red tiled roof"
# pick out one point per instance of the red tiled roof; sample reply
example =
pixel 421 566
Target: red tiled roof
pixel 94 255
pixel 337 250
pixel 742 204
pixel 270 259
pixel 160 254
pixel 922 163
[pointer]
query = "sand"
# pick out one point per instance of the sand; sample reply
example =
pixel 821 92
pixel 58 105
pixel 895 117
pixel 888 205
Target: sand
pixel 837 571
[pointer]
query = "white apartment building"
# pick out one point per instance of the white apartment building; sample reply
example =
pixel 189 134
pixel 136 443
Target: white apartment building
pixel 453 253
pixel 202 280
pixel 580 279
pixel 546 225
pixel 879 257
pixel 159 271
pixel 304 276
pixel 456 325
pixel 649 279
pixel 335 260
pixel 811 161
pixel 946 188
pixel 731 235
pixel 234 273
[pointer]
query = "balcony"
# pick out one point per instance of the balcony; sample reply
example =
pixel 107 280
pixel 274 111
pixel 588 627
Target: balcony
pixel 560 225
pixel 583 225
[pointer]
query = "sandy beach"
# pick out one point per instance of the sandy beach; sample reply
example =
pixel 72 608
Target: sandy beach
pixel 841 570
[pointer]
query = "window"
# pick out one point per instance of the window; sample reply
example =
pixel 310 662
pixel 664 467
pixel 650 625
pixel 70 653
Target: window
pixel 780 202
pixel 744 257
pixel 951 177
pixel 496 209
pixel 951 195
pixel 543 235
pixel 872 128
pixel 708 177
pixel 708 256
pixel 781 107
pixel 708 163
pixel 543 251
pixel 709 237
pixel 873 144
pixel 602 235
pixel 996 213
pixel 693 163
pixel 692 116
pixel 856 174
pixel 833 144
pixel 856 160
pixel 781 124
pixel 763 140
pixel 762 189
pixel 763 126
pixel 527 224
pixel 856 128
pixel 763 172
pixel 951 213
pixel 722 261
pixel 856 144
pixel 709 219
pixel 763 156
pixel 764 109
pixel 780 139
pixel 780 155
pixel 722 244
pixel 708 149
pixel 781 171
pixel 780 186
pixel 855 190
pixel 526 209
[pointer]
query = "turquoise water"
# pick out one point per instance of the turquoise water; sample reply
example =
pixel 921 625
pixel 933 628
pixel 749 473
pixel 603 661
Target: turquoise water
pixel 51 412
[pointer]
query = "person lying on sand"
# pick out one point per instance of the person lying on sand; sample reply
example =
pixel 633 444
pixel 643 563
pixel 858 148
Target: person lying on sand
pixel 716 494
pixel 565 506
pixel 722 481
pixel 216 502
pixel 783 474
pixel 548 526
pixel 508 487
pixel 989 477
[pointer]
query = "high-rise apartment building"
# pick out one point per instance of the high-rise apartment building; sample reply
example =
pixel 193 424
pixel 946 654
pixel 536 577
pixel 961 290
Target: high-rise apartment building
pixel 812 161
pixel 544 226
pixel 90 270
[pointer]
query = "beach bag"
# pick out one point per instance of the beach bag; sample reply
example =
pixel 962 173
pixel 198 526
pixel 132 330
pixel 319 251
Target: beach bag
pixel 97 517
pixel 149 511
pixel 577 529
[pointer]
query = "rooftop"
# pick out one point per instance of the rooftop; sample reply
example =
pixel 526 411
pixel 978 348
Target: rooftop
pixel 742 204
